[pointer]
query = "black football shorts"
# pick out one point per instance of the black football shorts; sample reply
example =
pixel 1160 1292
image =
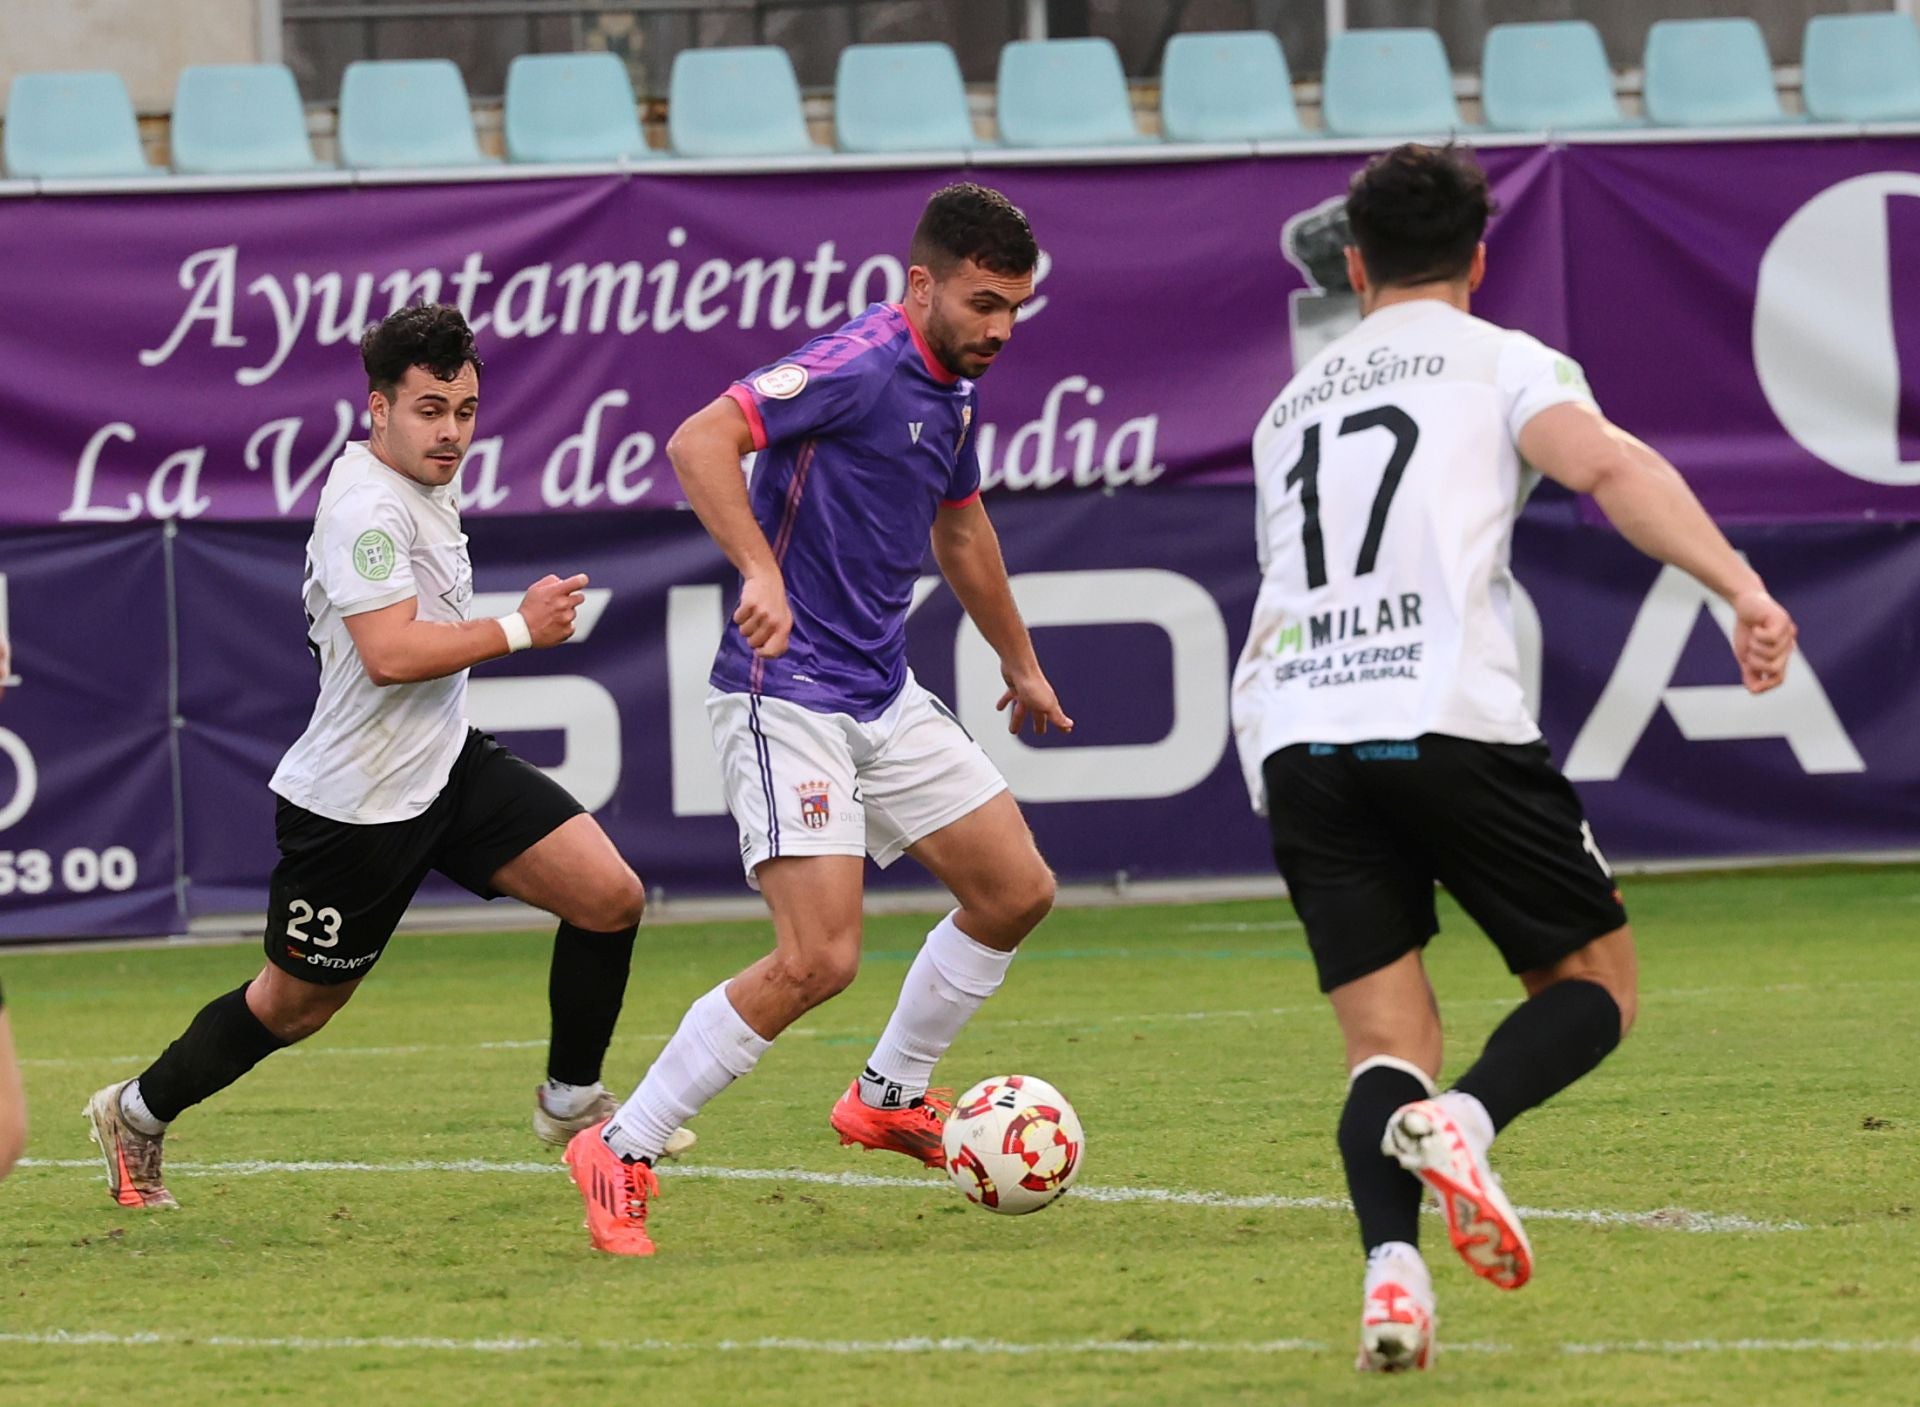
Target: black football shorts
pixel 1362 831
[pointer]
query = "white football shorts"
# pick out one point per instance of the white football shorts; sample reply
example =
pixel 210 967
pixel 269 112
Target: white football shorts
pixel 805 783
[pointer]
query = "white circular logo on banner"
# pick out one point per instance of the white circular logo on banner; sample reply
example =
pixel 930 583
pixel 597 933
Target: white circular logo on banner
pixel 26 780
pixel 1823 334
pixel 783 383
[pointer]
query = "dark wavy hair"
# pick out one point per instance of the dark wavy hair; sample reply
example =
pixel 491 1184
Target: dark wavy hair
pixel 1418 212
pixel 966 221
pixel 433 336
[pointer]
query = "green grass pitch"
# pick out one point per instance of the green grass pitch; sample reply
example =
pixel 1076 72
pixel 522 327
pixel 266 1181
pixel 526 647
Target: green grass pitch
pixel 1750 1160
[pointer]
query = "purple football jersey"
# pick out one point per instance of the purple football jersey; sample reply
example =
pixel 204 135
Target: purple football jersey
pixel 862 437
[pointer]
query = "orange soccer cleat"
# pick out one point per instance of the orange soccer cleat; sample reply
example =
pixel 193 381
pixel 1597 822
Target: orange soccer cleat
pixel 617 1193
pixel 1429 1142
pixel 914 1130
pixel 132 1157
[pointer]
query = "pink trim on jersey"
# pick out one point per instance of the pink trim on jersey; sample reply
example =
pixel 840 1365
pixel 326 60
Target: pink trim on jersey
pixel 796 489
pixel 743 398
pixel 934 369
pixel 852 344
pixel 966 502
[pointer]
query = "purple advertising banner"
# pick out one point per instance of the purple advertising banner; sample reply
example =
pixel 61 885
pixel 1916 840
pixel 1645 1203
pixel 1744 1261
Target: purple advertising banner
pixel 88 825
pixel 1753 309
pixel 180 372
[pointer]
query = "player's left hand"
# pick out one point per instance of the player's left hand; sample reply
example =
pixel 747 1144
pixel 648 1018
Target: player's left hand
pixel 1032 697
pixel 1763 639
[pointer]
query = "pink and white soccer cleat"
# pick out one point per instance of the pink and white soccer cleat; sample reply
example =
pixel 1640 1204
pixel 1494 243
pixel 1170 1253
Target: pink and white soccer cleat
pixel 1396 1316
pixel 1426 1140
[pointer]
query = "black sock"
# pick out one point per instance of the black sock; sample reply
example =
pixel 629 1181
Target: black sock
pixel 1544 1045
pixel 224 1042
pixel 1386 1197
pixel 585 987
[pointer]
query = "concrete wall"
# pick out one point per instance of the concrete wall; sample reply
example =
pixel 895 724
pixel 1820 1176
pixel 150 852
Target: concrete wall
pixel 147 42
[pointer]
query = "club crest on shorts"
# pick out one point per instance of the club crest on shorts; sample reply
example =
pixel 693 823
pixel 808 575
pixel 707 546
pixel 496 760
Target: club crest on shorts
pixel 815 805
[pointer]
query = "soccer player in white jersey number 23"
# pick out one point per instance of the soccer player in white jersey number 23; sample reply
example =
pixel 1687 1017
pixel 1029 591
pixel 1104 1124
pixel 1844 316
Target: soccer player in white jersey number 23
pixel 1382 727
pixel 829 749
pixel 389 781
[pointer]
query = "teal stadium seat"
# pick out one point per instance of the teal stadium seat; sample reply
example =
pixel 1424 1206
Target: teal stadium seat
pixel 572 107
pixel 401 113
pixel 77 125
pixel 1231 87
pixel 239 119
pixel 736 102
pixel 1547 77
pixel 1709 73
pixel 900 97
pixel 1861 68
pixel 1389 83
pixel 1064 93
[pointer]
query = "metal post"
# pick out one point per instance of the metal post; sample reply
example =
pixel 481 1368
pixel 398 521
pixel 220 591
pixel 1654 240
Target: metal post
pixel 267 36
pixel 1336 18
pixel 1036 19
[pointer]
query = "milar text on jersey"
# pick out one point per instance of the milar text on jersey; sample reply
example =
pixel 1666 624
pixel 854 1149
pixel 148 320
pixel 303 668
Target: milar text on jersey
pixel 1316 644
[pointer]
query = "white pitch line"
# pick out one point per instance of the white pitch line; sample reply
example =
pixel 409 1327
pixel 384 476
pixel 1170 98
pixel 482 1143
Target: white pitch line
pixel 1678 1346
pixel 99 1338
pixel 1665 1219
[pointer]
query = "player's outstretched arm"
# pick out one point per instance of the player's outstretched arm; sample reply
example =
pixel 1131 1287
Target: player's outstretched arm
pixel 1646 499
pixel 396 647
pixel 968 551
pixel 705 453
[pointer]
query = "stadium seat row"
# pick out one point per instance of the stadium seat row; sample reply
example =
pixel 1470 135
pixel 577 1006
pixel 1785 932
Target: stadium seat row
pixel 745 102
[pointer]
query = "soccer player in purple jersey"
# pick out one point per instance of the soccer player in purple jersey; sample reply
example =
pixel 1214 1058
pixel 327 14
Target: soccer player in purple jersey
pixel 830 749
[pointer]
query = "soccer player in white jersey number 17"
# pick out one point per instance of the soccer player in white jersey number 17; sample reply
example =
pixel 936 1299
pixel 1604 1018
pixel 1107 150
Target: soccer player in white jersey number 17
pixel 830 750
pixel 1382 727
pixel 389 781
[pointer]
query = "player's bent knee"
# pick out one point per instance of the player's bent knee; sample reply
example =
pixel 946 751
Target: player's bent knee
pixel 294 1010
pixel 1609 962
pixel 296 1024
pixel 1032 901
pixel 1014 910
pixel 619 907
pixel 813 978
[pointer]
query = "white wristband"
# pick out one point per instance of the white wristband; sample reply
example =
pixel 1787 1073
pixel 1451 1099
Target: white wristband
pixel 519 637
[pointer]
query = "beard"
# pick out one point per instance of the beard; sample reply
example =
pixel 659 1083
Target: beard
pixel 960 358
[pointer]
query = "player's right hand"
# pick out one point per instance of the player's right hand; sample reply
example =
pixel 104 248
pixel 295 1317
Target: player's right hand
pixel 548 608
pixel 763 615
pixel 1763 637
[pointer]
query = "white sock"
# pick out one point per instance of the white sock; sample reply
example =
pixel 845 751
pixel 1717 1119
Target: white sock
pixel 133 1108
pixel 565 1101
pixel 712 1049
pixel 949 979
pixel 1470 1114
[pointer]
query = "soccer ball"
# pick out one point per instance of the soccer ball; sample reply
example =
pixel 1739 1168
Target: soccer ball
pixel 1013 1144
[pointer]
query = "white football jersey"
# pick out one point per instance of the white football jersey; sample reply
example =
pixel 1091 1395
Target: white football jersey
pixel 371 754
pixel 1388 483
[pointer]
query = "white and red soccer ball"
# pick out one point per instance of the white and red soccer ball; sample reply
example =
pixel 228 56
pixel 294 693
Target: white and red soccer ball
pixel 1013 1144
